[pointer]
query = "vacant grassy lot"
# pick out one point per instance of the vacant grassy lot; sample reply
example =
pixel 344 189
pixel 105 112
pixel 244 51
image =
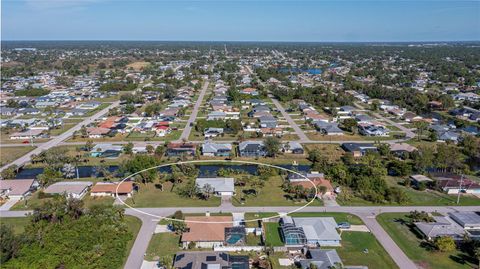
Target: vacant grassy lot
pixel 272 234
pixel 89 201
pixel 18 224
pixel 163 245
pixel 150 196
pixel 137 66
pixel 9 154
pixel 271 194
pixel 419 198
pixel 396 225
pixel 352 251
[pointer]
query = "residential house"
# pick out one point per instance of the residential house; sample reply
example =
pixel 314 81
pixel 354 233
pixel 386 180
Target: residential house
pixel 97 132
pixel 268 121
pixel 212 132
pixel 293 147
pixel 251 149
pixel 216 149
pixel 206 231
pixel 469 220
pixel 27 134
pixel 442 226
pixel 106 150
pixel 210 260
pixel 179 149
pixel 321 259
pixel 359 149
pixel 307 180
pixel 220 186
pixel 328 128
pixel 314 232
pixel 16 188
pixel 111 189
pixel 71 189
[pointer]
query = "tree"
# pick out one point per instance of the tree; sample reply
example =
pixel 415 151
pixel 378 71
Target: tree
pixel 9 172
pixel 88 145
pixel 9 243
pixel 178 226
pixel 433 136
pixel 68 170
pixel 83 131
pixel 49 176
pixel 444 243
pixel 207 191
pixel 350 124
pixel 150 149
pixel 272 146
pixel 139 163
pixel 421 127
pixel 128 148
pixel 159 151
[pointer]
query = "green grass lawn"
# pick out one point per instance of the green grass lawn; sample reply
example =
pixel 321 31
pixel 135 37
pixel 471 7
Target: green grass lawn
pixel 418 198
pixel 339 217
pixel 271 194
pixel 9 154
pixel 134 225
pixel 18 224
pixel 352 251
pixel 403 235
pixel 89 201
pixel 259 215
pixel 272 234
pixel 149 196
pixel 65 127
pixel 163 245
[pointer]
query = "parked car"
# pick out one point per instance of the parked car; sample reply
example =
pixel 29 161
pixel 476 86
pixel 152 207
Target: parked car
pixel 343 225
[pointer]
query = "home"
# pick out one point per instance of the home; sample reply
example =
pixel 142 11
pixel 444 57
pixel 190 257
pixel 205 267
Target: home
pixel 179 149
pixel 210 260
pixel 76 112
pixel 307 180
pixel 401 149
pixel 89 105
pixel 359 149
pixel 469 220
pixel 106 150
pixel 293 147
pixel 249 91
pixel 212 132
pixel 251 149
pixel 71 189
pixel 260 108
pixel 206 231
pixel 453 184
pixel 112 189
pixel 8 111
pixel 315 232
pixel 370 129
pixel 27 134
pixel 216 115
pixel 321 258
pixel 420 179
pixel 97 132
pixel 442 226
pixel 328 128
pixel 219 186
pixel 16 188
pixel 267 121
pixel 216 149
pixel 45 104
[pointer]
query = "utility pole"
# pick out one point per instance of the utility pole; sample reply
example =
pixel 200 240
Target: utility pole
pixel 460 189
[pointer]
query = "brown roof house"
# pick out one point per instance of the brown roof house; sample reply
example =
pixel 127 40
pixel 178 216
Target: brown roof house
pixel 110 189
pixel 16 188
pixel 206 231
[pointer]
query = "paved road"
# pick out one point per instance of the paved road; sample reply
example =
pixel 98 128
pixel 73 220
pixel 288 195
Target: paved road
pixel 290 121
pixel 193 116
pixel 367 214
pixel 55 141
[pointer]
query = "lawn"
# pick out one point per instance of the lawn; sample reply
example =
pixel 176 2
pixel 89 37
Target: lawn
pixel 259 215
pixel 352 251
pixel 18 224
pixel 275 197
pixel 65 127
pixel 9 154
pixel 150 196
pixel 89 201
pixel 272 234
pixel 134 224
pixel 409 241
pixel 339 217
pixel 419 198
pixel 163 245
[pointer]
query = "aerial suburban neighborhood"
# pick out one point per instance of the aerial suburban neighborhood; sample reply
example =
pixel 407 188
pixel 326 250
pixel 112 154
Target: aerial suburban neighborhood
pixel 219 155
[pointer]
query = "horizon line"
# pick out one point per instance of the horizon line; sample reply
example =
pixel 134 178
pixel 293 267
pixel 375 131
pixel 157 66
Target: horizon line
pixel 238 41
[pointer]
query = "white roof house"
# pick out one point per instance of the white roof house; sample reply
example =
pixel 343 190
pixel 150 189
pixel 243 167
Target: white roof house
pixel 72 189
pixel 221 185
pixel 319 231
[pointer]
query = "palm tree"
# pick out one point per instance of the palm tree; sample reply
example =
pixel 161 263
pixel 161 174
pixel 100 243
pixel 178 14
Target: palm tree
pixel 207 191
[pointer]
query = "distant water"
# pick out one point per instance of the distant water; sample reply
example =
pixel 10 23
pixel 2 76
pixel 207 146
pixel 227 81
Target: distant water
pixel 312 71
pixel 205 170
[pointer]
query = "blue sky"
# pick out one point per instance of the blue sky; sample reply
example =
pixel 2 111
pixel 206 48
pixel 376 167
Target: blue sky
pixel 340 20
